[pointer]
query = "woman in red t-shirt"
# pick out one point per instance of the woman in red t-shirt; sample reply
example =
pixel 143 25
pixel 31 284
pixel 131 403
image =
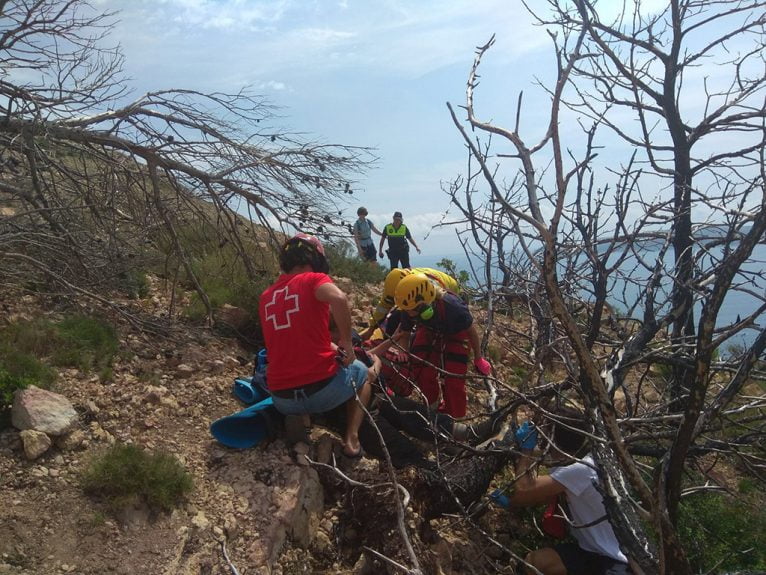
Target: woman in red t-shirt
pixel 307 372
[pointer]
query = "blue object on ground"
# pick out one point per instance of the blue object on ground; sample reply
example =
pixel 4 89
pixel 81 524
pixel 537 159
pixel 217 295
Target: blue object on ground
pixel 262 361
pixel 248 427
pixel 250 389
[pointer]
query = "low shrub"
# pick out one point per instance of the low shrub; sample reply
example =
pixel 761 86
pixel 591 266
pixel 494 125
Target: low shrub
pixel 19 370
pixel 225 281
pixel 126 474
pixel 85 342
pixel 8 385
pixel 722 533
pixel 35 337
pixel 450 267
pixel 344 262
pixel 78 341
pixel 135 284
pixel 23 366
pixel 494 353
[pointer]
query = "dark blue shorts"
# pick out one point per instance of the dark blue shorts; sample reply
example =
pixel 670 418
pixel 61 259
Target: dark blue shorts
pixel 369 254
pixel 578 561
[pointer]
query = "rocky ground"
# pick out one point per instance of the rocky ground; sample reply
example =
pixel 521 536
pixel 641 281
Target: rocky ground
pixel 260 510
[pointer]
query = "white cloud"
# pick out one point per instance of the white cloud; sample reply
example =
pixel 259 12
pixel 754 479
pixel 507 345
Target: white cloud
pixel 273 85
pixel 222 14
pixel 402 38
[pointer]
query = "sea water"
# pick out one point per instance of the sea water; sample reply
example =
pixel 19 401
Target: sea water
pixel 736 304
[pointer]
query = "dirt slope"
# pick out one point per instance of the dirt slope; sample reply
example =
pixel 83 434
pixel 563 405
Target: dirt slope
pixel 261 503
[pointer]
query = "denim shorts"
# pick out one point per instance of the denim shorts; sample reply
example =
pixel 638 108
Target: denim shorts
pixel 338 391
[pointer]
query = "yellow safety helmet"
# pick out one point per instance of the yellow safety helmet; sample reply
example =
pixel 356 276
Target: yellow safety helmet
pixel 392 280
pixel 414 290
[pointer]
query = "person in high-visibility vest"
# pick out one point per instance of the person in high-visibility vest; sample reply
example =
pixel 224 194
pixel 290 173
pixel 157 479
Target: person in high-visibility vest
pixel 398 235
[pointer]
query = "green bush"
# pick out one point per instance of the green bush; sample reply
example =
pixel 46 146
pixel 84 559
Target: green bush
pixel 723 533
pixel 135 284
pixel 126 474
pixel 450 267
pixel 520 372
pixel 36 337
pixel 18 370
pixel 224 279
pixel 9 384
pixel 76 341
pixel 85 342
pixel 494 353
pixel 345 263
pixel 23 366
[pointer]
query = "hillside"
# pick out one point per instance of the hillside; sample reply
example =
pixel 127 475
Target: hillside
pixel 265 504
pixel 268 509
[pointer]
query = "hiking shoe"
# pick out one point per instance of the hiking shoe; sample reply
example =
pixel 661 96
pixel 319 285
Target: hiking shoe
pixel 489 428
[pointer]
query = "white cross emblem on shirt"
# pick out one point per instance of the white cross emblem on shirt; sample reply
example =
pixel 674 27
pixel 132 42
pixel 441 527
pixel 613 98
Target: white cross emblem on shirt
pixel 283 321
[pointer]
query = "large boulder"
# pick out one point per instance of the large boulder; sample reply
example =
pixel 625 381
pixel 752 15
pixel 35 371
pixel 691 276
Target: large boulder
pixel 296 508
pixel 42 410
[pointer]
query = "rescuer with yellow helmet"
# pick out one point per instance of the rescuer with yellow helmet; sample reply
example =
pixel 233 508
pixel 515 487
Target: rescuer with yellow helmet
pixel 444 332
pixel 386 302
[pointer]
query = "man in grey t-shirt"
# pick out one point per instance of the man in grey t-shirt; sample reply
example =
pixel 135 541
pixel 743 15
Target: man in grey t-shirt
pixel 363 229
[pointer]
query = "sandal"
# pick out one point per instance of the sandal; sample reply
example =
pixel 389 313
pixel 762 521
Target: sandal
pixel 357 455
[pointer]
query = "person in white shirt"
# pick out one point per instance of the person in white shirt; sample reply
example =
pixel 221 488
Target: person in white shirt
pixel 597 551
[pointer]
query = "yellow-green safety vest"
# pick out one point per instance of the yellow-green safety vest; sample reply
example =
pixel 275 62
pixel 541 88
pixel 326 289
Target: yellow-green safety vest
pixel 392 232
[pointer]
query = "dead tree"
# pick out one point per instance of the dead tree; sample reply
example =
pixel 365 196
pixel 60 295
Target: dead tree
pixel 665 232
pixel 92 182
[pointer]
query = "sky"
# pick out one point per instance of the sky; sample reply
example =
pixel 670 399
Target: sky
pixel 370 73
pixel 365 73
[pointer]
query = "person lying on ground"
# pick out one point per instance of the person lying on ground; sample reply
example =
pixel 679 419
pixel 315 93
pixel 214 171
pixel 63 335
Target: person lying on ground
pixel 464 457
pixel 400 420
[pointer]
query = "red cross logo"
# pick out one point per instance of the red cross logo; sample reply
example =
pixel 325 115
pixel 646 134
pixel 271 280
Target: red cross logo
pixel 280 307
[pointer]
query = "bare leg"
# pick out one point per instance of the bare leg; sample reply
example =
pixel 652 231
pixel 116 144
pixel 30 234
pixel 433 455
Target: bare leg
pixel 547 561
pixel 355 413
